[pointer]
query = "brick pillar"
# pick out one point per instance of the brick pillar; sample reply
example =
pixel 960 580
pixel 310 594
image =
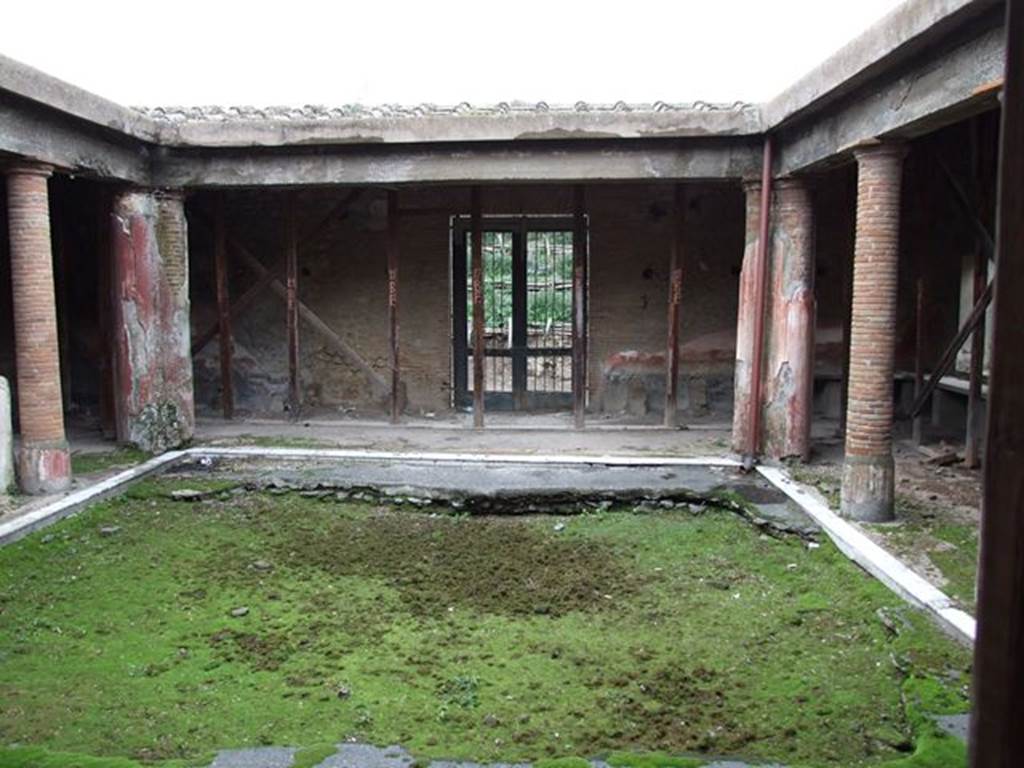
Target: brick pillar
pixel 789 329
pixel 44 464
pixel 745 315
pixel 868 472
pixel 153 399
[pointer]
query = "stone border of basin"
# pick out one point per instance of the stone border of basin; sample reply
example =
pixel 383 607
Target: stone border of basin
pixel 857 546
pixel 850 540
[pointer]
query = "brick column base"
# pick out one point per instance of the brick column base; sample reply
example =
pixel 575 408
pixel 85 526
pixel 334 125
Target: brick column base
pixel 868 487
pixel 44 463
pixel 44 468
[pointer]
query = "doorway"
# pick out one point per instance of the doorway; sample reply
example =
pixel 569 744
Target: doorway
pixel 527 271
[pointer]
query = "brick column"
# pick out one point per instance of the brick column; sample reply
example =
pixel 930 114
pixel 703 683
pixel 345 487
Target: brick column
pixel 868 473
pixel 44 464
pixel 153 398
pixel 745 314
pixel 789 329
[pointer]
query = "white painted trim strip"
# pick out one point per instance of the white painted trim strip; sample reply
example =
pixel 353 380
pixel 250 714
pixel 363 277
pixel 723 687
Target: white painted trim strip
pixel 462 458
pixel 857 546
pixel 13 530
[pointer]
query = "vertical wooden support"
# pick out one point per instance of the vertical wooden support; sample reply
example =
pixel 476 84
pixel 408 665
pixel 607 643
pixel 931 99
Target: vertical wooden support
pixel 220 260
pixel 292 307
pixel 60 208
pixel 104 288
pixel 393 328
pixel 675 298
pixel 996 738
pixel 579 301
pixel 975 403
pixel 477 270
pixel 919 356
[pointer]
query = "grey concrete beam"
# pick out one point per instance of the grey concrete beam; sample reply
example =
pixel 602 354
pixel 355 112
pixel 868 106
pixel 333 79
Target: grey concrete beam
pixel 40 133
pixel 415 127
pixel 29 83
pixel 948 85
pixel 539 162
pixel 903 33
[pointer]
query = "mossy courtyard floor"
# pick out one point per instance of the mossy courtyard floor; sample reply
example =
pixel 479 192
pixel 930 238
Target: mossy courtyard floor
pixel 161 630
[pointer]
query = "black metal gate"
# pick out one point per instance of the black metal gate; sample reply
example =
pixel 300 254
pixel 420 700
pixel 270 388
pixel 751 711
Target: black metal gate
pixel 527 265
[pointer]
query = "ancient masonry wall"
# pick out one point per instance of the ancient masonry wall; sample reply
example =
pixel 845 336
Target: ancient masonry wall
pixel 342 278
pixel 153 371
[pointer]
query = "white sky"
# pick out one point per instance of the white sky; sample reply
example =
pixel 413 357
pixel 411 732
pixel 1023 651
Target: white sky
pixel 138 52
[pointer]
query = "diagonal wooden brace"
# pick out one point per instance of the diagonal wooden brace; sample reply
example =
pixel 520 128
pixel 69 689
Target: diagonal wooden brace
pixel 949 355
pixel 266 277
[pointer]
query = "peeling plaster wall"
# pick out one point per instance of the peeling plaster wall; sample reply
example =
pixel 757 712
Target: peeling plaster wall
pixel 342 278
pixel 153 381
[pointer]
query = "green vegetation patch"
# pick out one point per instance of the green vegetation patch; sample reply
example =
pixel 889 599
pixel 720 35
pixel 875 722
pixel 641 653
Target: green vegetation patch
pixel 91 462
pixel 159 630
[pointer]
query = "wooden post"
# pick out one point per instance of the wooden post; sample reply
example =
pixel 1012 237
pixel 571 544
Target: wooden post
pixel 220 262
pixel 478 310
pixel 104 264
pixel 292 307
pixel 393 328
pixel 579 300
pixel 975 404
pixel 675 298
pixel 996 738
pixel 919 356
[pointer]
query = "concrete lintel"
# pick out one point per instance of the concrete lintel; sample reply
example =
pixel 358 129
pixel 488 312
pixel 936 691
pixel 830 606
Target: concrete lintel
pixel 30 83
pixel 899 35
pixel 857 546
pixel 459 164
pixel 414 128
pixel 49 136
pixel 932 92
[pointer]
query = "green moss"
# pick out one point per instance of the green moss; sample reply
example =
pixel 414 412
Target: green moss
pixel 87 463
pixel 309 757
pixel 651 760
pixel 480 639
pixel 563 762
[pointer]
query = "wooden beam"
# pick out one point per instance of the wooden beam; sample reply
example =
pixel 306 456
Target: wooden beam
pixel 675 298
pixel 477 270
pixel 997 738
pixel 975 405
pixel 220 263
pixel 391 245
pixel 579 302
pixel 104 262
pixel 919 334
pixel 292 307
pixel 949 354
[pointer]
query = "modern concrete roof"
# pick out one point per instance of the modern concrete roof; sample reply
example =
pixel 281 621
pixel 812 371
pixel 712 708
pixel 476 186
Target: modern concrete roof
pixel 923 62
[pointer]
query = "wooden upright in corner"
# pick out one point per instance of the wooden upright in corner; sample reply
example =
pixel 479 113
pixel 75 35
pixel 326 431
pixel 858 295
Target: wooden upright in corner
pixel 997 735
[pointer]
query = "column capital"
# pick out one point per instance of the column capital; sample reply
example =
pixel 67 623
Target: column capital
pixel 25 167
pixel 895 149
